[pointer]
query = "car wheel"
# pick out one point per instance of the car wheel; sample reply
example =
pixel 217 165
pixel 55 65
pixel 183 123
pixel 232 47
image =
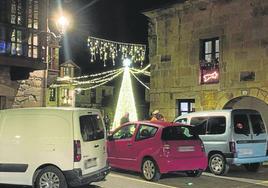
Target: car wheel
pixel 150 170
pixel 50 177
pixel 218 165
pixel 194 173
pixel 252 167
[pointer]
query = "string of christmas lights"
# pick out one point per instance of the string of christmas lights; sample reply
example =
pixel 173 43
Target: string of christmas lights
pixel 142 71
pixel 86 76
pixel 107 49
pixel 139 80
pixel 108 80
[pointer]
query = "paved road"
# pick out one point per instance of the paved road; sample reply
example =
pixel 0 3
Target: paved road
pixel 238 177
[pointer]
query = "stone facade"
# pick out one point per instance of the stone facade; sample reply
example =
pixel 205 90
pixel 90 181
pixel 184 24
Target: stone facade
pixel 23 53
pixel 175 34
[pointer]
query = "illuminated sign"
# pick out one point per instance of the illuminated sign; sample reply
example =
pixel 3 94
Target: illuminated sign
pixel 210 76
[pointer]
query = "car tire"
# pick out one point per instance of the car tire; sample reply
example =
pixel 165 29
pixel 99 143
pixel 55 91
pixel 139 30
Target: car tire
pixel 252 167
pixel 149 169
pixel 218 165
pixel 194 173
pixel 50 176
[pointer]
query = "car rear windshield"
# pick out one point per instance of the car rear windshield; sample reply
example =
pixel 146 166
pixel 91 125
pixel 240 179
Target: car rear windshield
pixel 91 127
pixel 179 133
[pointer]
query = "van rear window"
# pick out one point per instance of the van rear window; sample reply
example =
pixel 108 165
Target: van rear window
pixel 179 133
pixel 91 127
pixel 257 124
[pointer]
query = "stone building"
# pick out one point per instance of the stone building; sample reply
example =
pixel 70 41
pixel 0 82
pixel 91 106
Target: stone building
pixel 68 94
pixel 214 54
pixel 24 52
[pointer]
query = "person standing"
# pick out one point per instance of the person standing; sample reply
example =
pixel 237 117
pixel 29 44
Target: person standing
pixel 155 115
pixel 107 123
pixel 124 119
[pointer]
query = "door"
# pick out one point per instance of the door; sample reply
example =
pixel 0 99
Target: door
pixel 120 147
pixel 243 136
pixel 259 135
pixel 93 142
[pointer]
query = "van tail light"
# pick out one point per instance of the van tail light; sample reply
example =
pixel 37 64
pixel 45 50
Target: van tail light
pixel 232 147
pixel 77 151
pixel 267 149
pixel 166 149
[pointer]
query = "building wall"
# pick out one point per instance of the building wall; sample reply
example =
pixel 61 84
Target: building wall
pixel 8 88
pixel 241 26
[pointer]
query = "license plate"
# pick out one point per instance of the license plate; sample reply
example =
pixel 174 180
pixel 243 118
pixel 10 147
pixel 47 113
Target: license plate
pixel 245 151
pixel 186 148
pixel 90 163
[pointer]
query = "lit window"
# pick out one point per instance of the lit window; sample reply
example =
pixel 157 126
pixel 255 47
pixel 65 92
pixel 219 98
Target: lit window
pixel 209 60
pixel 32 14
pixel 16 42
pixel 52 94
pixel 185 106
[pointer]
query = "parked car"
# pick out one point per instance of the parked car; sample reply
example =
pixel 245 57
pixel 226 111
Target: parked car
pixel 155 148
pixel 231 137
pixel 52 147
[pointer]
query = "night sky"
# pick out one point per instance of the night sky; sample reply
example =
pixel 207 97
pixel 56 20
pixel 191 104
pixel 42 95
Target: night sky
pixel 117 20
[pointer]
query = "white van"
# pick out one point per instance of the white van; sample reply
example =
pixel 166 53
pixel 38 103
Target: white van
pixel 52 147
pixel 235 136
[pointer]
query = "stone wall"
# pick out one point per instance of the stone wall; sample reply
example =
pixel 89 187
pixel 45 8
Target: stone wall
pixel 30 92
pixel 8 88
pixel 176 31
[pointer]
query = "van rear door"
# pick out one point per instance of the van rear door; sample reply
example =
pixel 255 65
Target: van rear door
pixel 259 134
pixel 250 136
pixel 91 135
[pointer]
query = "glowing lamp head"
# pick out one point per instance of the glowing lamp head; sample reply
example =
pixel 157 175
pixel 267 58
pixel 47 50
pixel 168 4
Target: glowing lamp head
pixel 127 62
pixel 62 23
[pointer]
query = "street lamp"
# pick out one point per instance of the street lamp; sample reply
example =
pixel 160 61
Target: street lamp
pixel 62 23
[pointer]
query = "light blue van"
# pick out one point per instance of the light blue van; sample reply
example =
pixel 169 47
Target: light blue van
pixel 236 137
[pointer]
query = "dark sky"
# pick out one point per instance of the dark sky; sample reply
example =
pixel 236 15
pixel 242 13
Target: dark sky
pixel 117 20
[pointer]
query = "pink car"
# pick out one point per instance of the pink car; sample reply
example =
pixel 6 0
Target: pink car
pixel 155 148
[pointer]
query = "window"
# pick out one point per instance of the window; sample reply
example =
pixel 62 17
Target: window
pixel 216 125
pixel 93 96
pixel 66 71
pixel 183 120
pixel 18 8
pixel 146 131
pixel 209 125
pixel 33 45
pixel 91 127
pixel 257 124
pixel 125 132
pixel 32 17
pixel 185 106
pixel 210 50
pixel 209 60
pixel 178 133
pixel 200 124
pixel 241 125
pixel 2 102
pixel 16 42
pixel 52 94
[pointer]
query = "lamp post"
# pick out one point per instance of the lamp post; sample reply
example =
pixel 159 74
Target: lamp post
pixel 62 23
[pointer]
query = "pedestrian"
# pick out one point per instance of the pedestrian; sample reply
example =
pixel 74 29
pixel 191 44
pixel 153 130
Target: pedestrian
pixel 124 119
pixel 154 115
pixel 107 123
pixel 160 117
